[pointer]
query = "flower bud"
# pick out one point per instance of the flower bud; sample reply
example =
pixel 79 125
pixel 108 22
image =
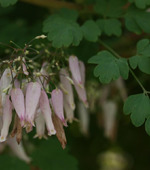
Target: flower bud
pixel 7 118
pixel 33 93
pixel 46 110
pixel 75 70
pixel 17 98
pixel 57 103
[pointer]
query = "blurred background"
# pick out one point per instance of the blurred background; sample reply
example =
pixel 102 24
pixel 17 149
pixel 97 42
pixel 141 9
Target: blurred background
pixel 104 138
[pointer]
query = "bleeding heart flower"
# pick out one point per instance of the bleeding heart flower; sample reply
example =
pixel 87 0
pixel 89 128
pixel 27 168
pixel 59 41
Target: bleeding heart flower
pixel 75 70
pixel 46 110
pixel 33 93
pixel 17 98
pixel 7 118
pixel 67 88
pixel 57 103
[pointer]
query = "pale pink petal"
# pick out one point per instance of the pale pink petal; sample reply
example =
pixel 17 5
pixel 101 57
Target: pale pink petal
pixel 7 118
pixel 69 112
pixel 18 150
pixel 17 83
pixel 33 93
pixel 67 88
pixel 46 110
pixel 82 71
pixel 109 113
pixel 81 93
pixel 17 98
pixel 5 83
pixel 40 125
pixel 75 70
pixel 57 103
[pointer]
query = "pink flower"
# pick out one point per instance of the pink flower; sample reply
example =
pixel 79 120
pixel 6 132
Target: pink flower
pixel 81 90
pixel 82 71
pixel 33 93
pixel 18 150
pixel 81 93
pixel 40 125
pixel 57 103
pixel 5 84
pixel 7 118
pixel 75 70
pixel 17 98
pixel 69 112
pixel 67 88
pixel 46 110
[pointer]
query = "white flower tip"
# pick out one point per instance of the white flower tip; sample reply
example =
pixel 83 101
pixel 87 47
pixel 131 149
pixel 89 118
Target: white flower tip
pixel 2 139
pixel 73 106
pixel 51 132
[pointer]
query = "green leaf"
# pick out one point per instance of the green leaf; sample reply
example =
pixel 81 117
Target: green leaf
pixel 109 8
pixel 6 3
pixel 110 26
pixel 91 31
pixel 50 155
pixel 137 20
pixel 123 67
pixel 139 107
pixel 62 29
pixel 12 163
pixel 147 126
pixel 141 3
pixel 109 68
pixel 142 58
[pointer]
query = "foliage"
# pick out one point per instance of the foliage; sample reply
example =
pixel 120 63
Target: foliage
pixel 85 28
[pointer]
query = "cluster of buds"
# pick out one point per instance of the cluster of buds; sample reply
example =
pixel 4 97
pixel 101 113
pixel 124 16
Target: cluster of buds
pixel 28 102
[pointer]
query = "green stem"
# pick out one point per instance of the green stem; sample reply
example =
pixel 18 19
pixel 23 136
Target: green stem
pixel 118 56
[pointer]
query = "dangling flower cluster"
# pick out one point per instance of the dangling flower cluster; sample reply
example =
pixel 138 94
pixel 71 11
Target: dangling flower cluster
pixel 27 101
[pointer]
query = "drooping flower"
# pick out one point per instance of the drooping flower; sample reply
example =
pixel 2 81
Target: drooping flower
pixel 81 90
pixel 81 93
pixel 69 112
pixel 17 98
pixel 75 70
pixel 57 104
pixel 33 93
pixel 82 71
pixel 46 110
pixel 67 88
pixel 84 118
pixel 7 118
pixel 40 125
pixel 5 84
pixel 18 150
pixel 109 114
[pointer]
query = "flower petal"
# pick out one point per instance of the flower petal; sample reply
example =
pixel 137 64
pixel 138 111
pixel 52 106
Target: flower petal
pixel 46 110
pixel 57 103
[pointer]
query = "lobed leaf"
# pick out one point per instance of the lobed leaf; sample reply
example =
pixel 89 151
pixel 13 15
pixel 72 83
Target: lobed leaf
pixel 110 26
pixel 109 68
pixel 91 31
pixel 63 29
pixel 139 107
pixel 142 58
